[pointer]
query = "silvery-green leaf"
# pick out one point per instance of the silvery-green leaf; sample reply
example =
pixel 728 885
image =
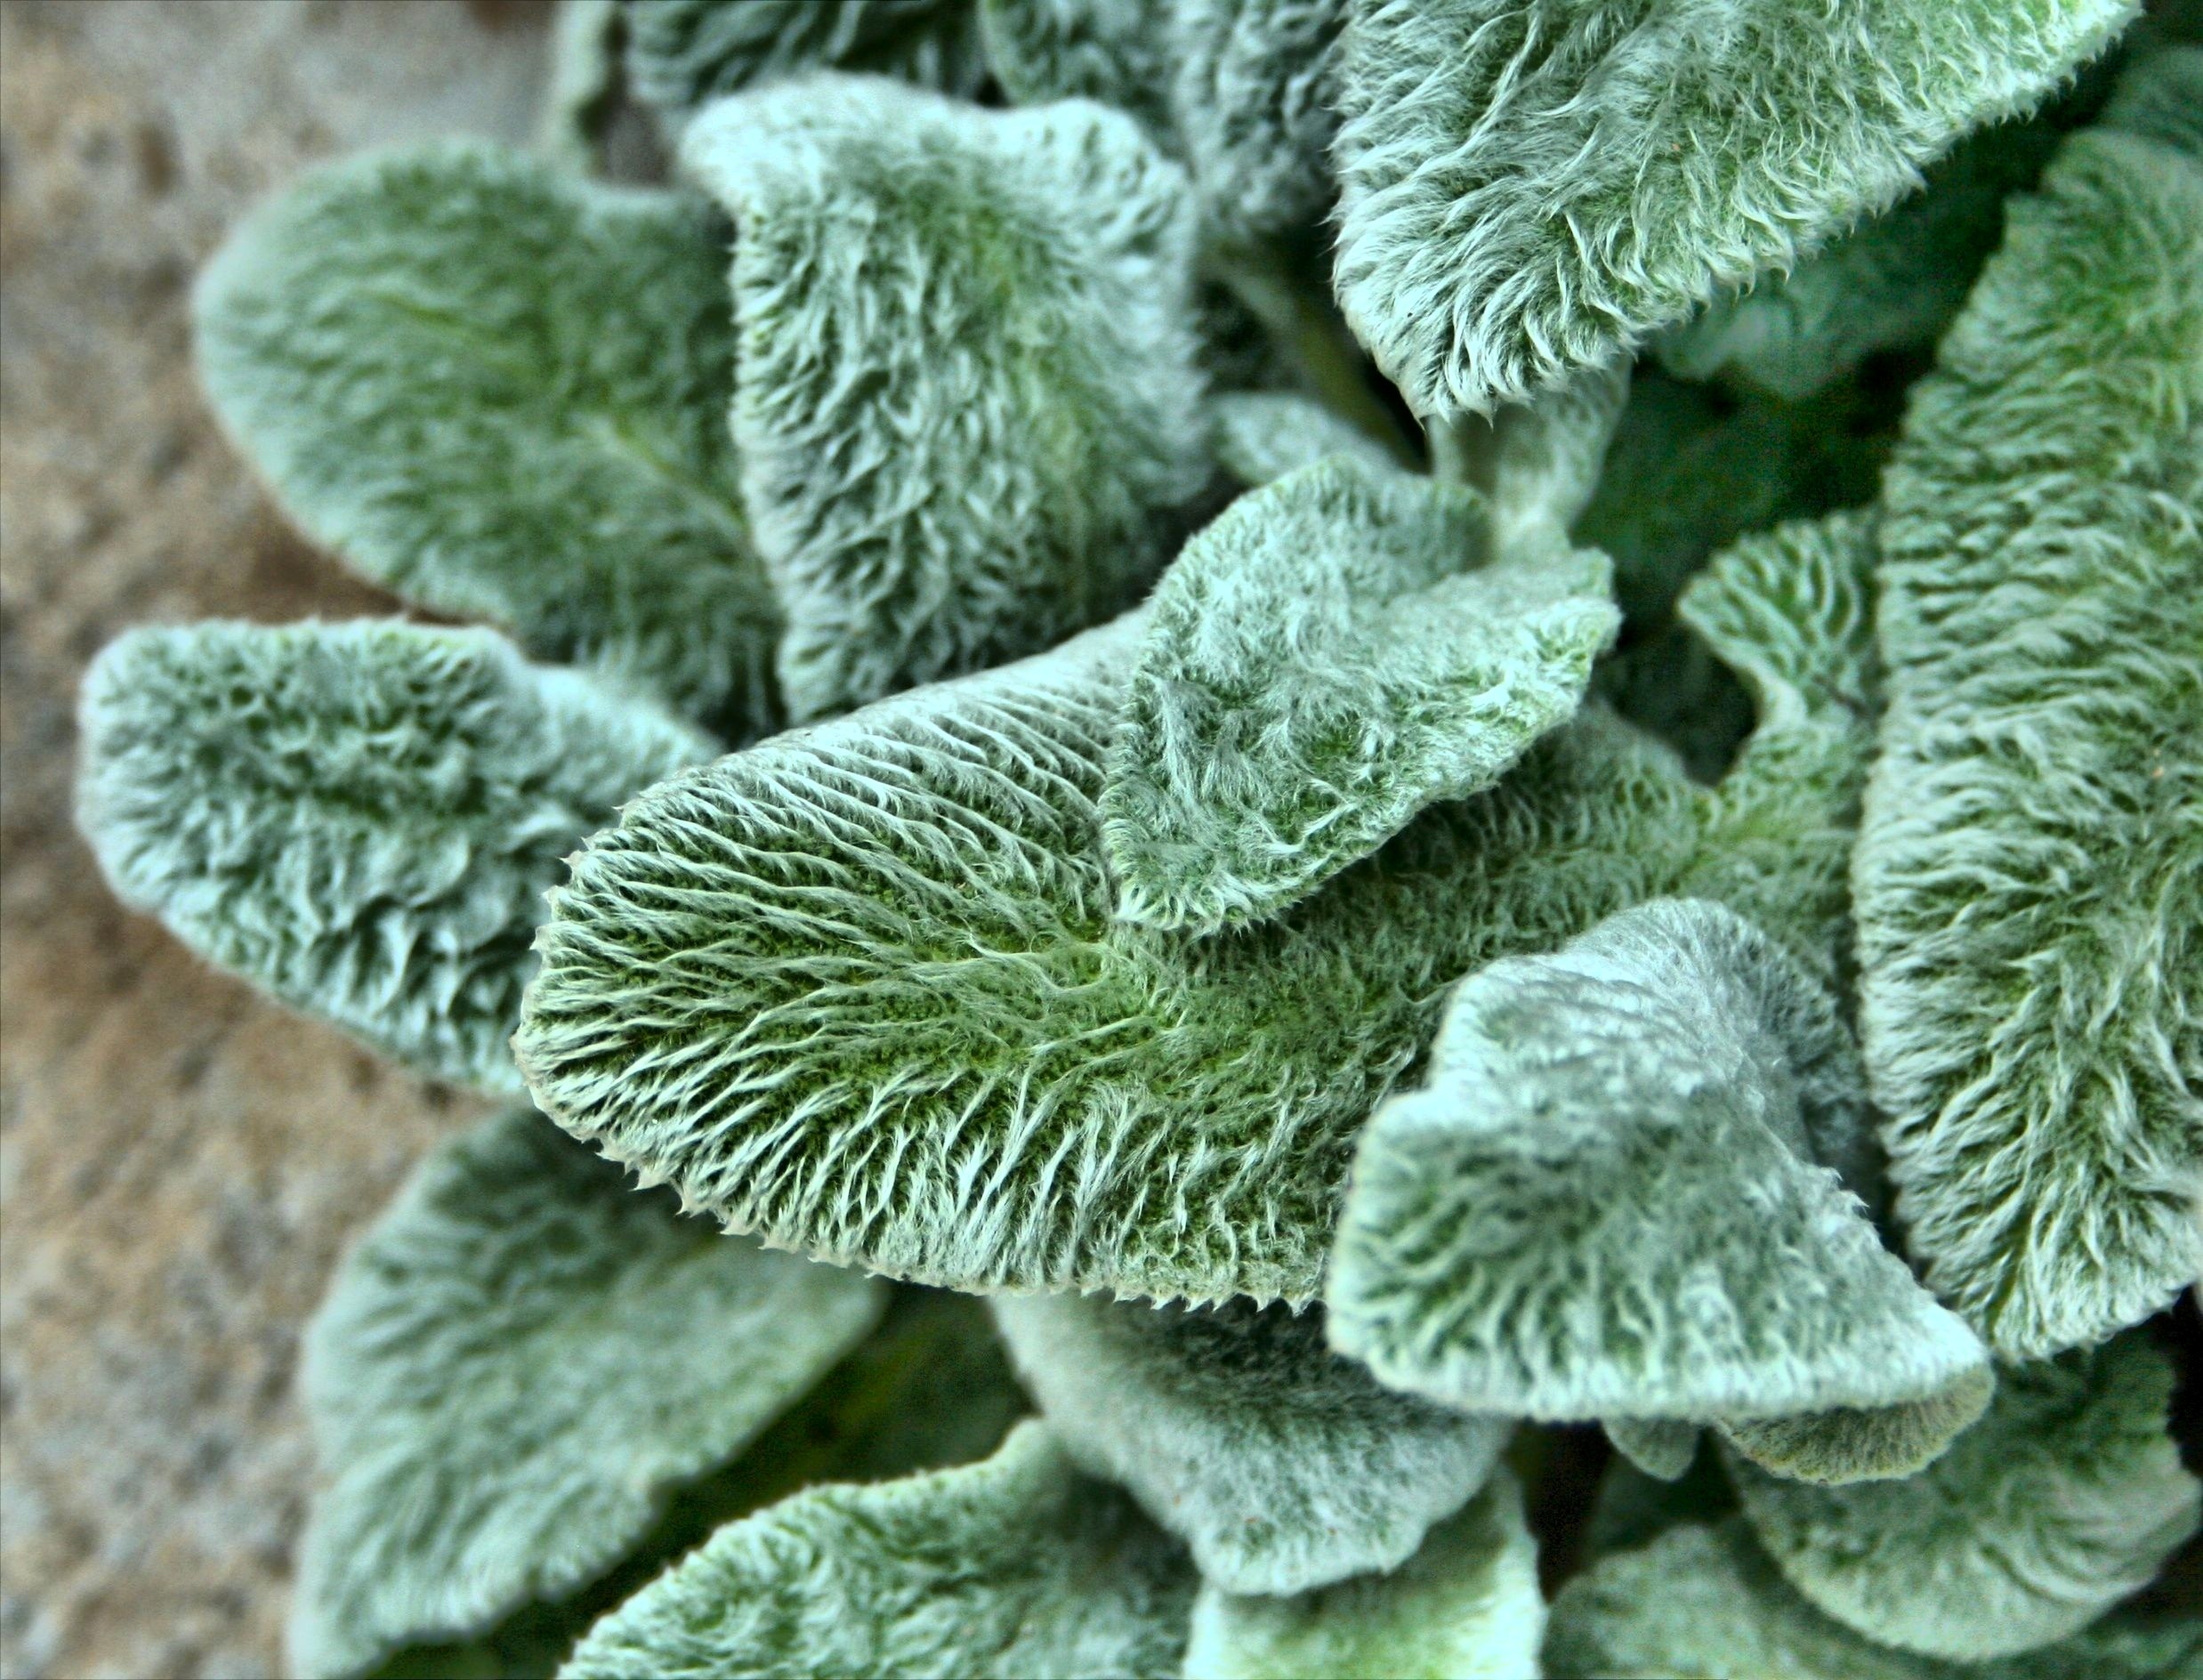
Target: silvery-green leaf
pixel 966 399
pixel 360 818
pixel 2032 999
pixel 930 1387
pixel 2159 96
pixel 501 392
pixel 1338 651
pixel 1605 1202
pixel 1707 1603
pixel 1260 435
pixel 1531 186
pixel 1465 1607
pixel 1663 1448
pixel 1845 1444
pixel 1018 1566
pixel 684 54
pixel 1282 1466
pixel 583 83
pixel 1548 453
pixel 1255 101
pixel 515 1368
pixel 2065 1497
pixel 861 988
pixel 1115 52
pixel 1892 283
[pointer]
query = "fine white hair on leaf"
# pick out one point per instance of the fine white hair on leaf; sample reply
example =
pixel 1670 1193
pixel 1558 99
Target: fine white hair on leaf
pixel 518 1362
pixel 1532 186
pixel 362 818
pixel 966 397
pixel 1282 1466
pixel 682 54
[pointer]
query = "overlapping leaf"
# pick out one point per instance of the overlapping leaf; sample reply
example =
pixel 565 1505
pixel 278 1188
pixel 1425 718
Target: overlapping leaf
pixel 515 1368
pixel 1605 1201
pixel 966 404
pixel 1256 99
pixel 1337 652
pixel 1531 186
pixel 1662 1448
pixel 502 392
pixel 1260 435
pixel 1016 1566
pixel 2068 1496
pixel 1115 52
pixel 360 818
pixel 1282 1466
pixel 2026 882
pixel 682 55
pixel 1706 1601
pixel 860 987
pixel 1465 1607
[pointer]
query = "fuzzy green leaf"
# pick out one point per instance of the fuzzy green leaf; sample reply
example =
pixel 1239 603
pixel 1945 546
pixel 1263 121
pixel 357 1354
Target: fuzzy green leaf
pixel 966 399
pixel 1260 435
pixel 1532 186
pixel 2026 877
pixel 2159 97
pixel 860 987
pixel 1115 52
pixel 1845 1444
pixel 511 1371
pixel 684 54
pixel 1662 1448
pixel 1633 1508
pixel 1282 1466
pixel 1339 651
pixel 1465 1607
pixel 1256 99
pixel 1706 1602
pixel 1546 454
pixel 361 818
pixel 1019 1566
pixel 1893 283
pixel 501 392
pixel 2066 1497
pixel 1605 1201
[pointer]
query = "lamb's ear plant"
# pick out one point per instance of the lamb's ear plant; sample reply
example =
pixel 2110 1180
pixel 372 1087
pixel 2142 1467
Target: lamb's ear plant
pixel 1392 965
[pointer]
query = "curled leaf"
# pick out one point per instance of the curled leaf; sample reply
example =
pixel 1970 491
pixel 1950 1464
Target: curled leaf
pixel 2066 1497
pixel 1018 1565
pixel 1845 1444
pixel 1706 1602
pixel 2032 998
pixel 1465 1607
pixel 966 399
pixel 682 55
pixel 1605 1202
pixel 1531 186
pixel 501 392
pixel 361 818
pixel 859 988
pixel 1337 652
pixel 1282 1466
pixel 514 1370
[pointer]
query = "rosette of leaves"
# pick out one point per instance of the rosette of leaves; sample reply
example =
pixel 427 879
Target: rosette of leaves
pixel 1422 1050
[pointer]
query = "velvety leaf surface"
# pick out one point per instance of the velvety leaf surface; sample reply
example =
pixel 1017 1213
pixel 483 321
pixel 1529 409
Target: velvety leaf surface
pixel 1282 1466
pixel 1706 1601
pixel 966 399
pixel 1845 1444
pixel 860 987
pixel 511 1371
pixel 1016 1566
pixel 1548 453
pixel 1662 1448
pixel 1531 186
pixel 1256 99
pixel 1604 1202
pixel 2065 1497
pixel 1465 1607
pixel 2026 877
pixel 360 818
pixel 1895 282
pixel 1117 52
pixel 501 392
pixel 1260 435
pixel 684 54
pixel 1336 652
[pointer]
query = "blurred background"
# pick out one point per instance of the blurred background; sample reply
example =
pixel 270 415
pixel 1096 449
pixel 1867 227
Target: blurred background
pixel 181 1162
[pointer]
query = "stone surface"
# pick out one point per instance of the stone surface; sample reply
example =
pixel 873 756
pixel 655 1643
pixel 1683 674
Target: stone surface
pixel 181 1162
